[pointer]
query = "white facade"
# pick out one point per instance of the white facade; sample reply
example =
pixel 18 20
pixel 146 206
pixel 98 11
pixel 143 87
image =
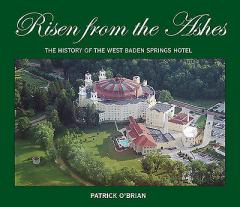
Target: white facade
pixel 120 112
pixel 158 118
pixel 82 95
pixel 165 145
pixel 144 150
pixel 116 112
pixel 177 127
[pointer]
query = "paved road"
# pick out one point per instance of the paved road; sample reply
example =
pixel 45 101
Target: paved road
pixel 191 107
pixel 188 150
pixel 197 109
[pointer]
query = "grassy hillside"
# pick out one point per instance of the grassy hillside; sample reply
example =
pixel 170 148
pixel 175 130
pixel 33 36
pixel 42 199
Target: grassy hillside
pixel 46 174
pixel 31 78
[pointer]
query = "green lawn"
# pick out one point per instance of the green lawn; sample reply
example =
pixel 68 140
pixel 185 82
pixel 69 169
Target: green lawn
pixel 201 121
pixel 177 110
pixel 200 102
pixel 30 78
pixel 46 174
pixel 99 144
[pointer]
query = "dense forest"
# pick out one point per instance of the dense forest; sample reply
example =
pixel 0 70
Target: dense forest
pixel 184 78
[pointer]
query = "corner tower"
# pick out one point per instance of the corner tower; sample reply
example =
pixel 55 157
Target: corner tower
pixel 88 80
pixel 208 128
pixel 82 96
pixel 102 75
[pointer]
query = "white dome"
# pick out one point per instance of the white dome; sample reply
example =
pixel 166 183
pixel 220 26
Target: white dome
pixel 190 132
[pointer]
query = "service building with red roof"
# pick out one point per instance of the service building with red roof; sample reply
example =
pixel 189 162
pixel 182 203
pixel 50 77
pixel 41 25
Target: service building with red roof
pixel 140 138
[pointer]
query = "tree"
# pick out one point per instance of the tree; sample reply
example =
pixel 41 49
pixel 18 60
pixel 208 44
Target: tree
pixel 58 63
pixel 21 63
pixel 70 145
pixel 40 100
pixel 197 87
pixel 215 174
pixel 92 116
pixel 207 174
pixel 53 91
pixel 17 98
pixel 80 116
pixel 46 65
pixel 23 125
pixel 148 164
pixel 79 82
pixel 109 73
pixel 164 96
pixel 221 86
pixel 164 171
pixel 65 108
pixel 199 78
pixel 54 119
pixel 43 133
pixel 26 96
pixel 71 149
pixel 198 172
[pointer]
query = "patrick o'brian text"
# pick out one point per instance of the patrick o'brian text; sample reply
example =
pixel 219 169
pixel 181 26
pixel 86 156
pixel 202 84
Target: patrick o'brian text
pixel 123 195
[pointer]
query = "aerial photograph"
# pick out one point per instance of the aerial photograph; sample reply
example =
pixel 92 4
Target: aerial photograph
pixel 119 122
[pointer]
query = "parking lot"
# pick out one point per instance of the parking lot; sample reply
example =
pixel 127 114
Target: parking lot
pixel 218 132
pixel 218 108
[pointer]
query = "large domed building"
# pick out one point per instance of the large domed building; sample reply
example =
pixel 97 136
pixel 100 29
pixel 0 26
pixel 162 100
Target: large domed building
pixel 117 98
pixel 118 88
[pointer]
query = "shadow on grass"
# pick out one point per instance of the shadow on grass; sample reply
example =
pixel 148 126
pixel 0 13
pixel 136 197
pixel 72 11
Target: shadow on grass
pixel 24 146
pixel 110 127
pixel 47 174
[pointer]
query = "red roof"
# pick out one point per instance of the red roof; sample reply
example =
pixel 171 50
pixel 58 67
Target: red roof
pixel 134 125
pixel 145 141
pixel 117 88
pixel 181 118
pixel 140 134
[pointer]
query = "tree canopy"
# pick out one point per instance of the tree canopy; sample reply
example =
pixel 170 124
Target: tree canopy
pixel 185 78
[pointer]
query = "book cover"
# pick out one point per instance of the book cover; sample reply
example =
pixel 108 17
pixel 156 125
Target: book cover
pixel 115 103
